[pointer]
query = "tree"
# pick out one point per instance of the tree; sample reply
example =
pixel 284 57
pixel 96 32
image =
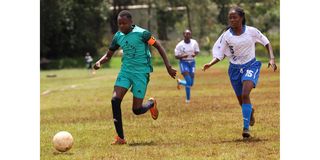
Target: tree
pixel 71 28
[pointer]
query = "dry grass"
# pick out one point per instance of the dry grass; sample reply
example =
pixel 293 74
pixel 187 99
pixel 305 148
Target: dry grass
pixel 209 127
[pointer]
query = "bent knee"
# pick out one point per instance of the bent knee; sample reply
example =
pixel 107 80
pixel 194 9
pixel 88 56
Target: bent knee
pixel 136 111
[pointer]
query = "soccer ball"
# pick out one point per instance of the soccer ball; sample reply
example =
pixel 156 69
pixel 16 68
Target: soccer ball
pixel 62 141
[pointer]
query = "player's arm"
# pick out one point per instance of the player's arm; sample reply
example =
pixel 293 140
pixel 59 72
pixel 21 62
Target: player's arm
pixel 197 50
pixel 272 62
pixel 211 63
pixel 172 72
pixel 105 58
pixel 181 56
pixel 178 54
pixel 262 39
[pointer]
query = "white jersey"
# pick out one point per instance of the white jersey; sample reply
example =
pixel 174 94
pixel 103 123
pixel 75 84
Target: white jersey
pixel 239 49
pixel 187 48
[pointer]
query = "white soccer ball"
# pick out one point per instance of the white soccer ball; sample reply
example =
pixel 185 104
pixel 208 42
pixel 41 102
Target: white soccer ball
pixel 62 141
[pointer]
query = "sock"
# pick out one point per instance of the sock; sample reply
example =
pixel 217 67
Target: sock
pixel 246 114
pixel 117 119
pixel 143 109
pixel 188 86
pixel 183 82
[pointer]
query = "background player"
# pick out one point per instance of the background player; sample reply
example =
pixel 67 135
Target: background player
pixel 185 51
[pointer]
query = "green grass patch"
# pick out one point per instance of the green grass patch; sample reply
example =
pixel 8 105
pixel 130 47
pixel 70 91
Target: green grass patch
pixel 209 127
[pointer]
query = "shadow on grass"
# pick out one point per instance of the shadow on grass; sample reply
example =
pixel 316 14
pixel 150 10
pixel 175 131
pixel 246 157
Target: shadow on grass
pixel 141 144
pixel 247 140
pixel 62 153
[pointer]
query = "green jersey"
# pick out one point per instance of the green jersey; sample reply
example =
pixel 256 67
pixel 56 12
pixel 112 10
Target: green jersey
pixel 136 57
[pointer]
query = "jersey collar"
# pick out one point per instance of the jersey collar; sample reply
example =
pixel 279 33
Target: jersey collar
pixel 243 30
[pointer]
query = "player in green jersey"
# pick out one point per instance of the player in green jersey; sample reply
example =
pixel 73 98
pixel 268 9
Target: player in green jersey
pixel 135 69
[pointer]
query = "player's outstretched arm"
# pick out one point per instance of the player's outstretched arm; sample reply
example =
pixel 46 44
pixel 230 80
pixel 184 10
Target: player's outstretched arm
pixel 105 58
pixel 172 72
pixel 272 62
pixel 211 63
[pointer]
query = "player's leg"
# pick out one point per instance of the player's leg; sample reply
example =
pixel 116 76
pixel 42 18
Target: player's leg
pixel 249 80
pixel 120 89
pixel 139 89
pixel 192 72
pixel 246 106
pixel 183 69
pixel 139 108
pixel 188 81
pixel 117 97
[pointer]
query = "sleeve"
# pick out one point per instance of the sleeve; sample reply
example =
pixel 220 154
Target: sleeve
pixel 259 37
pixel 177 50
pixel 196 47
pixel 114 45
pixel 218 48
pixel 148 38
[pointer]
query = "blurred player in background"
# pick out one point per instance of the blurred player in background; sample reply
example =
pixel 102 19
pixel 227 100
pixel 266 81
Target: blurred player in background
pixel 185 51
pixel 238 44
pixel 89 61
pixel 135 69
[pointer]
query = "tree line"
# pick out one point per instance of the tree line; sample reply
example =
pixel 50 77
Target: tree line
pixel 69 28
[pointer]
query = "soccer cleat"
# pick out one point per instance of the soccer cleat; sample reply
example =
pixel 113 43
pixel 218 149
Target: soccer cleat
pixel 252 119
pixel 178 84
pixel 187 101
pixel 153 110
pixel 119 141
pixel 245 133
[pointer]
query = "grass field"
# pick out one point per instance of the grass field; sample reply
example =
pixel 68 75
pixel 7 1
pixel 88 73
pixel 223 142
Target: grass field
pixel 209 127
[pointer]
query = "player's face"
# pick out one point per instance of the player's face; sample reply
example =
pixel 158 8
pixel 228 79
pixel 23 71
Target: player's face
pixel 234 19
pixel 187 35
pixel 124 24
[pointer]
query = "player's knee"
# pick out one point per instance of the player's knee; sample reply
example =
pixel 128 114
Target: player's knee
pixel 136 111
pixel 115 101
pixel 245 97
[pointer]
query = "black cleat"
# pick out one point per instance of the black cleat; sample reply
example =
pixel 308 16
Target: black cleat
pixel 246 133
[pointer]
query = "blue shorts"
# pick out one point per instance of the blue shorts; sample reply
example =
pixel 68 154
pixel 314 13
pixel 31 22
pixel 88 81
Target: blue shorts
pixel 243 72
pixel 187 66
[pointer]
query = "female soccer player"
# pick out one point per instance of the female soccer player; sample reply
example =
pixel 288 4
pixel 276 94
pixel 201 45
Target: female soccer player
pixel 135 69
pixel 238 44
pixel 185 51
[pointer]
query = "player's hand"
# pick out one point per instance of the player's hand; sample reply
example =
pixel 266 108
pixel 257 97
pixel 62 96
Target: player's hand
pixel 272 64
pixel 206 66
pixel 193 54
pixel 172 72
pixel 97 65
pixel 184 56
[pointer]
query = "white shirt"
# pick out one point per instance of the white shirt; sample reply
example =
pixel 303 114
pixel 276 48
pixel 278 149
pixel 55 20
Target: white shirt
pixel 239 49
pixel 88 59
pixel 187 48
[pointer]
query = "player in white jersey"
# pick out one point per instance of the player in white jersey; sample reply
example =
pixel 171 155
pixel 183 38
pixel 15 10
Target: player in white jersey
pixel 238 44
pixel 185 51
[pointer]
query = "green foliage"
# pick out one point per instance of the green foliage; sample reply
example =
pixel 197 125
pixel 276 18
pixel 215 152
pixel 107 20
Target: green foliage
pixel 70 28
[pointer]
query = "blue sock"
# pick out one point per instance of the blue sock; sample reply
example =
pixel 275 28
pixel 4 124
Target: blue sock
pixel 188 86
pixel 246 114
pixel 183 82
